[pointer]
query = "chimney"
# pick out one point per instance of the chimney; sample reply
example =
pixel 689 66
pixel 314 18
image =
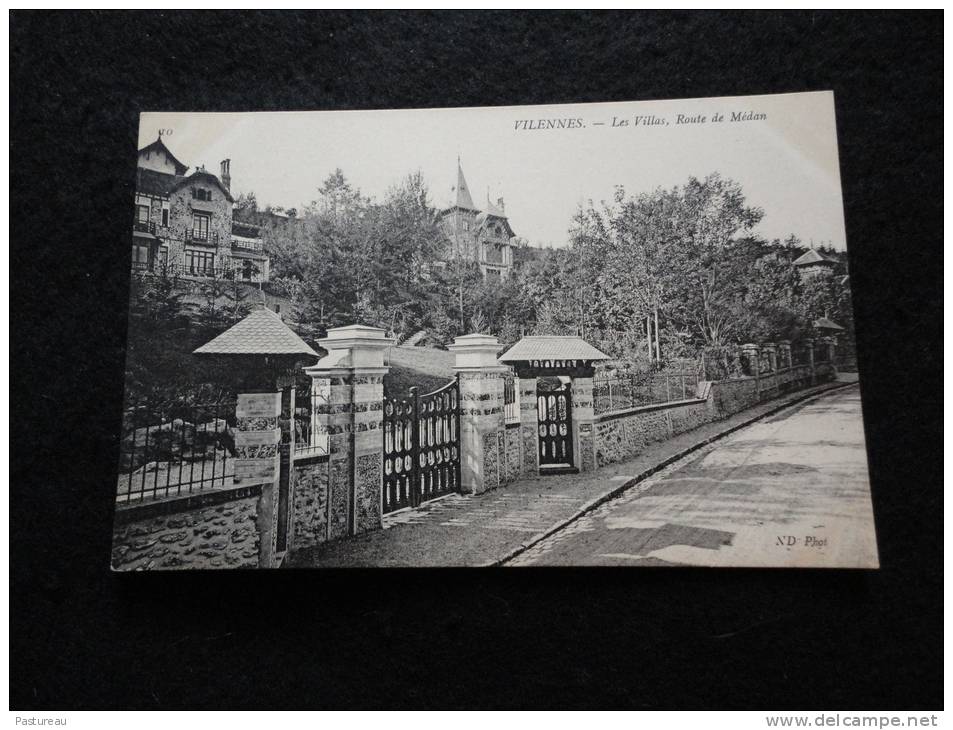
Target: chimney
pixel 499 204
pixel 227 174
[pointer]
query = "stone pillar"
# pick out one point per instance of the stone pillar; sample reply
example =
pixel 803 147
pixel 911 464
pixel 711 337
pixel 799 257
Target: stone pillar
pixel 753 353
pixel 832 353
pixel 257 436
pixel 349 383
pixel 482 424
pixel 529 425
pixel 809 348
pixel 584 423
pixel 771 350
pixel 784 354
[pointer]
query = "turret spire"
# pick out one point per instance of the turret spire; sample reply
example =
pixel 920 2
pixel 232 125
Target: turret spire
pixel 463 192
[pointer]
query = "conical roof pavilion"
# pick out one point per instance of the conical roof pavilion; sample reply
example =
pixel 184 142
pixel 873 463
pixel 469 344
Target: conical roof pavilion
pixel 260 333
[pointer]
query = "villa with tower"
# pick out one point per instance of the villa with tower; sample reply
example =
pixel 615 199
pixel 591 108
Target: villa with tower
pixel 484 236
pixel 183 224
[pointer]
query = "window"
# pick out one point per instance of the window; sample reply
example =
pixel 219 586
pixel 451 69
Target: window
pixel 201 194
pixel 200 262
pixel 163 258
pixel 200 226
pixel 142 214
pixel 165 213
pixel 140 256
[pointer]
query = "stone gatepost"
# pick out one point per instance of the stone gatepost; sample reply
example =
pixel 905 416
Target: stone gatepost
pixel 584 422
pixel 482 423
pixel 809 348
pixel 349 383
pixel 529 425
pixel 257 435
pixel 753 354
pixel 832 353
pixel 784 354
pixel 771 350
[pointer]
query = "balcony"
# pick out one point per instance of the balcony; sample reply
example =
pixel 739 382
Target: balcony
pixel 207 238
pixel 144 226
pixel 242 243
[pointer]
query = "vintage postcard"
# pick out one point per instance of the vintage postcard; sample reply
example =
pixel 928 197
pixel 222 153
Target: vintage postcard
pixel 581 334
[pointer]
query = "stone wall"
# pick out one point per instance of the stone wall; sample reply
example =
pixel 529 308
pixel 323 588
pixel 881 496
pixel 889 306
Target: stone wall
pixel 309 496
pixel 623 434
pixel 731 396
pixel 220 529
pixel 513 451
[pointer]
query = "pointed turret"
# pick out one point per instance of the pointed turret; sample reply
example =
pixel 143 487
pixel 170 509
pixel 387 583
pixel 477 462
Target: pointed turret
pixel 464 200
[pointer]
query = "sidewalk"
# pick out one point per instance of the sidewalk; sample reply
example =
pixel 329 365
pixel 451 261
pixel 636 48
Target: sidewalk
pixel 486 529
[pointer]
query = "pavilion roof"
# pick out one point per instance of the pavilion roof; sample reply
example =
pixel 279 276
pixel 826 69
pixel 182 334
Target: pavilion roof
pixel 552 347
pixel 260 333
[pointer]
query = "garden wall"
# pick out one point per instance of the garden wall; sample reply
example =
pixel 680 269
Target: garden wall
pixel 319 514
pixel 228 528
pixel 622 434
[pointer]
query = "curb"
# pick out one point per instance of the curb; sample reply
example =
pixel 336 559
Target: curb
pixel 625 486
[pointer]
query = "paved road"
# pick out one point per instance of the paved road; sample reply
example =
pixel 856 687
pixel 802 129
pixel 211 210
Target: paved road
pixel 791 490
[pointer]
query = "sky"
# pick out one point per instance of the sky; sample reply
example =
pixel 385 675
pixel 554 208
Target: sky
pixel 787 163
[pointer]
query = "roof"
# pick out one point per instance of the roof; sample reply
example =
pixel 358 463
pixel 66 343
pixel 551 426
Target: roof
pixel 202 174
pixel 813 257
pixel 825 324
pixel 464 200
pixel 552 348
pixel 159 146
pixel 153 182
pixel 260 333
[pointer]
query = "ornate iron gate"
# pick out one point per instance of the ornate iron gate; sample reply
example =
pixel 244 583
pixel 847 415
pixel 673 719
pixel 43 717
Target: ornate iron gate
pixel 421 447
pixel 554 413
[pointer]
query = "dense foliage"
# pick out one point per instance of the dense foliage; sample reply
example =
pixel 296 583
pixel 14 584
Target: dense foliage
pixel 650 277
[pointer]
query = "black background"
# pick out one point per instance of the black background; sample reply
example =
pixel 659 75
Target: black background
pixel 659 638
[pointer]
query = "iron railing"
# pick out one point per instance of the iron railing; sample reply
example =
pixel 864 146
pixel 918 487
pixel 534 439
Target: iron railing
pixel 246 245
pixel 171 448
pixel 511 404
pixel 144 226
pixel 620 392
pixel 193 236
pixel 309 440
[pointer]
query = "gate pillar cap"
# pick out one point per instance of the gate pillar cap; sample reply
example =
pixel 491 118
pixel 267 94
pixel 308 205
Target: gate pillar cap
pixel 354 346
pixel 475 351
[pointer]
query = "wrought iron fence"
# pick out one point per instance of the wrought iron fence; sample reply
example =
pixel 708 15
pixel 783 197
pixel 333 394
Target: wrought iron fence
pixel 309 439
pixel 171 448
pixel 618 392
pixel 511 405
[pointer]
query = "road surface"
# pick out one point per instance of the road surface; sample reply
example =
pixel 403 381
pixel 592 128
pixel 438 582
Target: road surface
pixel 791 490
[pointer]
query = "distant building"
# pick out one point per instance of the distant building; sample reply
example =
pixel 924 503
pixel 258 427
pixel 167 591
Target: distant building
pixel 484 236
pixel 184 225
pixel 814 263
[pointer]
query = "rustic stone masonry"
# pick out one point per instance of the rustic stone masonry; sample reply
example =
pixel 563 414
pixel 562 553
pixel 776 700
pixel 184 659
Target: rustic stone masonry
pixel 310 503
pixel 349 383
pixel 482 424
pixel 529 432
pixel 622 434
pixel 215 530
pixel 257 436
